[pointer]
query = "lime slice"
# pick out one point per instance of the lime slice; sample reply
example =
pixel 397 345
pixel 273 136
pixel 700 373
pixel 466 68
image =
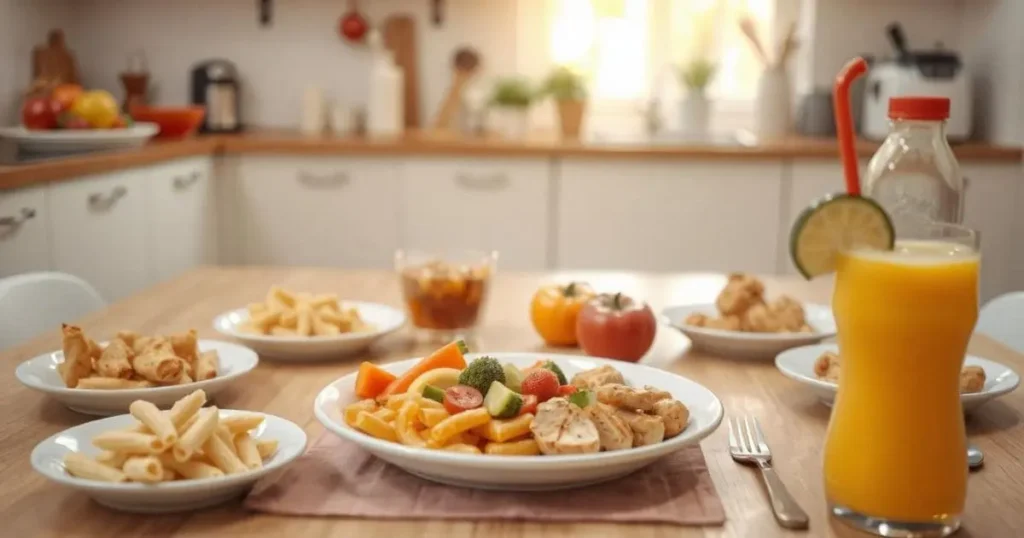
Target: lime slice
pixel 835 223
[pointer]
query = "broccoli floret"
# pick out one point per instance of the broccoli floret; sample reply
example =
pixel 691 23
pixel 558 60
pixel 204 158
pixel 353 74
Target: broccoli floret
pixel 481 373
pixel 550 365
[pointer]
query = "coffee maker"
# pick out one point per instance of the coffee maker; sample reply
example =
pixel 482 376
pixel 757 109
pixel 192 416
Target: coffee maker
pixel 215 86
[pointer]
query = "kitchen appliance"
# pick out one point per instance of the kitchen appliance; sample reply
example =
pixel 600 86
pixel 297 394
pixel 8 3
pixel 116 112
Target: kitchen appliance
pixel 917 73
pixel 215 85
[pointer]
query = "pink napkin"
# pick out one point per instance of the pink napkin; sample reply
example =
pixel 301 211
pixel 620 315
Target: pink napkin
pixel 337 478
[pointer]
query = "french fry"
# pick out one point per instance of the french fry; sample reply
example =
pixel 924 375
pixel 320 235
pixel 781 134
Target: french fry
pixel 459 423
pixel 375 427
pixel 525 447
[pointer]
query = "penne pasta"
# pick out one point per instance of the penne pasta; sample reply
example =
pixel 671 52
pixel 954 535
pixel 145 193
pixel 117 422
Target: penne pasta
pixel 159 423
pixel 207 365
pixel 462 447
pixel 159 365
pixel 145 469
pixel 115 360
pixel 375 427
pixel 283 331
pixel 111 383
pixel 246 449
pixel 81 466
pixel 405 424
pixel 459 423
pixel 111 458
pixel 266 447
pixel 226 437
pixel 131 443
pixel 525 447
pixel 288 320
pixel 431 417
pixel 186 346
pixel 77 360
pixel 128 337
pixel 241 422
pixel 184 409
pixel 351 411
pixel 169 475
pixel 185 378
pixel 387 415
pixel 304 325
pixel 263 322
pixel 328 300
pixel 197 434
pixel 222 456
pixel 191 469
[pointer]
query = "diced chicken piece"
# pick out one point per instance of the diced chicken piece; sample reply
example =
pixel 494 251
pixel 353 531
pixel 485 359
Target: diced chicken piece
pixel 647 429
pixel 827 367
pixel 614 432
pixel 630 398
pixel 740 293
pixel 591 379
pixel 674 414
pixel 561 428
pixel 972 379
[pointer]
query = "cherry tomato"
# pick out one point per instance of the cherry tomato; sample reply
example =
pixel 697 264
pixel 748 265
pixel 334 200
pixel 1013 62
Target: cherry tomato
pixel 529 405
pixel 616 327
pixel 462 398
pixel 541 383
pixel 566 390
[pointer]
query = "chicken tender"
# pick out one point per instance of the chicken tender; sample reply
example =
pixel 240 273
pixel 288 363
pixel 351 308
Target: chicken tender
pixel 741 292
pixel 591 379
pixel 827 367
pixel 562 428
pixel 674 414
pixel 647 429
pixel 630 398
pixel 789 313
pixel 972 379
pixel 615 434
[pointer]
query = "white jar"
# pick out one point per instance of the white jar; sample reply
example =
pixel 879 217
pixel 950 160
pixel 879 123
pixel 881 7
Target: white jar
pixel 695 114
pixel 772 115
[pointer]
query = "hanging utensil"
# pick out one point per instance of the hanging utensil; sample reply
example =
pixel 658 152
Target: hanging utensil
pixel 353 25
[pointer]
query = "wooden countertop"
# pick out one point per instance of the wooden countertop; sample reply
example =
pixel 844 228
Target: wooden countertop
pixel 284 142
pixel 793 419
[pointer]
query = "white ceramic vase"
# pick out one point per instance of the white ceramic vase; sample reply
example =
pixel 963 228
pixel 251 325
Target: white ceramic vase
pixel 510 122
pixel 695 114
pixel 772 116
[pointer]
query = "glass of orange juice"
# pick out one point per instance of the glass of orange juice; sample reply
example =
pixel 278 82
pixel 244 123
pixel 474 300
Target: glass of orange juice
pixel 896 451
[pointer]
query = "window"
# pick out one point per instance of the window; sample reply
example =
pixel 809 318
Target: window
pixel 630 50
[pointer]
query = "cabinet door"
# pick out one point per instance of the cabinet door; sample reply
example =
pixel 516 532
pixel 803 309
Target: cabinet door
pixel 479 204
pixel 179 206
pixel 989 207
pixel 24 231
pixel 668 216
pixel 99 231
pixel 326 211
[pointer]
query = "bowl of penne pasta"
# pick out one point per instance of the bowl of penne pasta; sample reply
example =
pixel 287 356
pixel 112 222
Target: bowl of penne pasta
pixel 517 421
pixel 185 457
pixel 104 378
pixel 303 326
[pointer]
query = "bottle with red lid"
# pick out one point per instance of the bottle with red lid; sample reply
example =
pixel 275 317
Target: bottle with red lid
pixel 915 171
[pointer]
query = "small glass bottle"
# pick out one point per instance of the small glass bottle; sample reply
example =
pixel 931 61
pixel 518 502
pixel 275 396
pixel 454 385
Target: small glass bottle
pixel 915 170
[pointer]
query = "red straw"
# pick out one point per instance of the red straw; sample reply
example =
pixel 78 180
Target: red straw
pixel 844 122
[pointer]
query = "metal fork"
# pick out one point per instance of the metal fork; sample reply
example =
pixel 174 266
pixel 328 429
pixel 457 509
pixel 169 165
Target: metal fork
pixel 747 445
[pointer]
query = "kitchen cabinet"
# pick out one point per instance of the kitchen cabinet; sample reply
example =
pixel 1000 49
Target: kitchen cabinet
pixel 479 204
pixel 989 207
pixel 318 211
pixel 99 228
pixel 668 215
pixel 181 217
pixel 24 231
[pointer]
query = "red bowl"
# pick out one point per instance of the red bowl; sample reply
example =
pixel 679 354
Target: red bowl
pixel 174 122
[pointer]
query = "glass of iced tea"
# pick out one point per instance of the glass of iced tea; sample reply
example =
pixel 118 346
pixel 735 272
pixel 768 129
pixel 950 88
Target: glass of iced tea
pixel 444 293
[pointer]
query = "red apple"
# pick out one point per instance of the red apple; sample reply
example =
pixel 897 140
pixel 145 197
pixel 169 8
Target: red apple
pixel 40 113
pixel 616 327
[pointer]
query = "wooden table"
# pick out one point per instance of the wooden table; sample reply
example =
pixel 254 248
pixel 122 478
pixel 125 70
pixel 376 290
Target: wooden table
pixel 793 419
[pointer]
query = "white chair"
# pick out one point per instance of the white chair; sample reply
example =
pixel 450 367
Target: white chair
pixel 33 303
pixel 1002 318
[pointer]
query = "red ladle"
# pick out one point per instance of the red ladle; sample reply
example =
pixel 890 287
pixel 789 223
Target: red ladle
pixel 353 25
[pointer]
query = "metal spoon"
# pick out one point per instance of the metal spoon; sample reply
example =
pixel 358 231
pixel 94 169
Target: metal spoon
pixel 975 457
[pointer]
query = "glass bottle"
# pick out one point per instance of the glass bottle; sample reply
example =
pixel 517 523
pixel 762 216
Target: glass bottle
pixel 915 170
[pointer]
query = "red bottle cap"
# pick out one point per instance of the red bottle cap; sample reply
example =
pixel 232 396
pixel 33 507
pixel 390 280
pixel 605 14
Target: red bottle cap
pixel 919 108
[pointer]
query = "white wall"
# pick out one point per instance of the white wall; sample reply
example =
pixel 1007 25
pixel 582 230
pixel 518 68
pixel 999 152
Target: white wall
pixel 995 53
pixel 301 48
pixel 23 25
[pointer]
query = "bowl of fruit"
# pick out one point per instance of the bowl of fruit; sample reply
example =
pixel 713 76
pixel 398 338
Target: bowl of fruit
pixel 70 119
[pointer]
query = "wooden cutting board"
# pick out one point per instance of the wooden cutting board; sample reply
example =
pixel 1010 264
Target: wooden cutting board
pixel 400 38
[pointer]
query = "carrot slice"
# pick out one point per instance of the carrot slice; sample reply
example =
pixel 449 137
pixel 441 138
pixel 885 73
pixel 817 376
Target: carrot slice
pixel 449 356
pixel 371 380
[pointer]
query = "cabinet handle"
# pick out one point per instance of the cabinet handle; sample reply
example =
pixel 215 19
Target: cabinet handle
pixel 181 183
pixel 101 201
pixel 338 179
pixel 491 182
pixel 12 222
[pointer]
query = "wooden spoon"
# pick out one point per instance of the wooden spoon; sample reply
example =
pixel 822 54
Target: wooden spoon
pixel 465 64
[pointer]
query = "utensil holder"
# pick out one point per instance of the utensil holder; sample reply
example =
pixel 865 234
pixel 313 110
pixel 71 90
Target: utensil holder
pixel 773 118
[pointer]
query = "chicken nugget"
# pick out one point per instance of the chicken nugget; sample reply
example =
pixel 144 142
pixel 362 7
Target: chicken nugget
pixel 741 292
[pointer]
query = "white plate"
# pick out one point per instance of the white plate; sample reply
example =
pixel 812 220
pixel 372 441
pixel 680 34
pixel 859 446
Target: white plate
pixel 530 472
pixel 79 140
pixel 177 496
pixel 744 345
pixel 798 364
pixel 315 348
pixel 41 373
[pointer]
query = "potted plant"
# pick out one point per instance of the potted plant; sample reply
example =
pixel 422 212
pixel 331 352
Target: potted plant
pixel 696 76
pixel 566 87
pixel 510 105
